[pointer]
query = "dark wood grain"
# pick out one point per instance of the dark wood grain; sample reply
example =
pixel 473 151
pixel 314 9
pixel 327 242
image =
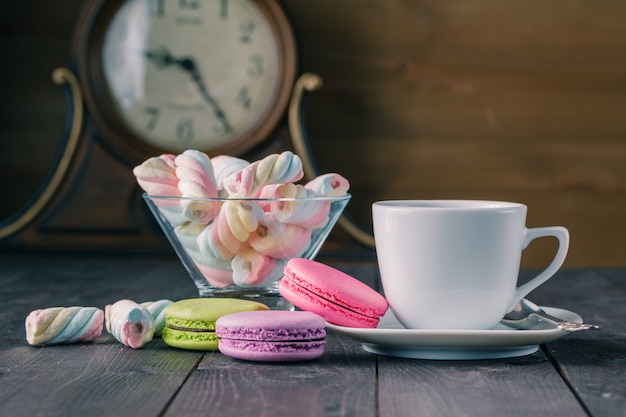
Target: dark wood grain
pixel 508 387
pixel 99 379
pixel 579 374
pixel 599 297
pixel 471 99
pixel 440 98
pixel 341 383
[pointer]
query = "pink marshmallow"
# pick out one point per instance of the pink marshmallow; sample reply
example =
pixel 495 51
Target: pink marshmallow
pixel 156 176
pixel 196 180
pixel 217 240
pixel 242 217
pixel 329 185
pixel 55 325
pixel 216 271
pixel 217 277
pixel 304 210
pixel 251 269
pixel 130 323
pixel 188 232
pixel 280 240
pixel 225 165
pixel 273 169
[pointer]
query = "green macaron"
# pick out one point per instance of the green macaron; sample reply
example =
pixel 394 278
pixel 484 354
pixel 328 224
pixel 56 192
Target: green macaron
pixel 190 324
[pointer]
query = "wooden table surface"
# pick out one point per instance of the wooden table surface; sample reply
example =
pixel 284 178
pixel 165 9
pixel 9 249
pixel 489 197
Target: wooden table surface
pixel 580 374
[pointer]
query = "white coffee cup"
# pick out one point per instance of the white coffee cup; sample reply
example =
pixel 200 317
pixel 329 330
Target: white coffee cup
pixel 454 264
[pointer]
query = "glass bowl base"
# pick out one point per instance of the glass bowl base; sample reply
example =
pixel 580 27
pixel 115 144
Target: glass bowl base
pixel 269 297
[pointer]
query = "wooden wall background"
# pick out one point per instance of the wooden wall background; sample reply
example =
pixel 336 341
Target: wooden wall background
pixel 521 101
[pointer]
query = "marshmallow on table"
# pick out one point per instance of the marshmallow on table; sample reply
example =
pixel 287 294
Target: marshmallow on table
pixel 197 180
pixel 57 325
pixel 157 309
pixel 130 323
pixel 273 169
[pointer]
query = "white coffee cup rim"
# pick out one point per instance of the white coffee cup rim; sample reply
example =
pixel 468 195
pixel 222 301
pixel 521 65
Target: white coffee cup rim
pixel 443 204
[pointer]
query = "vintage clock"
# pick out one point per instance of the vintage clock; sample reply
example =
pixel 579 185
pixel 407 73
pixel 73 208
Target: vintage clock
pixel 170 75
pixel 161 76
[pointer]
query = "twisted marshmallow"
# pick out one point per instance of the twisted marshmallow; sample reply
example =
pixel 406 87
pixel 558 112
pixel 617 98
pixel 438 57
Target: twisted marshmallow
pixel 216 272
pixel 188 232
pixel 197 180
pixel 224 166
pixel 215 269
pixel 273 169
pixel 157 310
pixel 280 240
pixel 304 210
pixel 157 176
pixel 329 185
pixel 242 217
pixel 251 268
pixel 57 325
pixel 217 240
pixel 129 323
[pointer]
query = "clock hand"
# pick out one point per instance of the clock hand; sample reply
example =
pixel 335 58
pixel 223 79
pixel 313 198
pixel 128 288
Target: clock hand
pixel 162 58
pixel 189 65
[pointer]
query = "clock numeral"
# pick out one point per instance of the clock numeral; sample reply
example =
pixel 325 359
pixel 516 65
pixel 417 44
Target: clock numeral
pixel 246 29
pixel 243 98
pixel 156 8
pixel 153 117
pixel 257 66
pixel 223 9
pixel 184 131
pixel 189 4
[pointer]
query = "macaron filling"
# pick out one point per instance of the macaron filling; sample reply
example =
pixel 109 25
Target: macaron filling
pixel 190 324
pixel 293 346
pixel 306 292
pixel 279 336
pixel 189 335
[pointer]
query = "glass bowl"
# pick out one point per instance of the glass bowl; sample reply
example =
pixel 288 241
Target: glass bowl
pixel 237 247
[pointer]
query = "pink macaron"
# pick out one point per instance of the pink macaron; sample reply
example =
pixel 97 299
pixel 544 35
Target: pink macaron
pixel 336 296
pixel 271 336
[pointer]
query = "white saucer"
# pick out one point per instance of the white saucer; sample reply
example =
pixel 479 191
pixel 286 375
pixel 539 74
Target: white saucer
pixel 390 338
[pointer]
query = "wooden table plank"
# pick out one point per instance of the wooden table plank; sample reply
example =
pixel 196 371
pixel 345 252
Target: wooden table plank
pixel 341 383
pixel 593 362
pixel 101 379
pixel 505 387
pixel 104 378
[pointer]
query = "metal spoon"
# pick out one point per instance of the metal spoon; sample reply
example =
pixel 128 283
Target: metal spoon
pixel 527 314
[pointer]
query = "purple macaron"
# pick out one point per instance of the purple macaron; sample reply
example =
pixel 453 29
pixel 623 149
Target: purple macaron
pixel 271 336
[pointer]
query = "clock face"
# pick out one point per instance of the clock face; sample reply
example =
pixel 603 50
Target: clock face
pixel 169 75
pixel 190 73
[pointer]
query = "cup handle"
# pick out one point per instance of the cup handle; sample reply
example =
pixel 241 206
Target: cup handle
pixel 562 235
